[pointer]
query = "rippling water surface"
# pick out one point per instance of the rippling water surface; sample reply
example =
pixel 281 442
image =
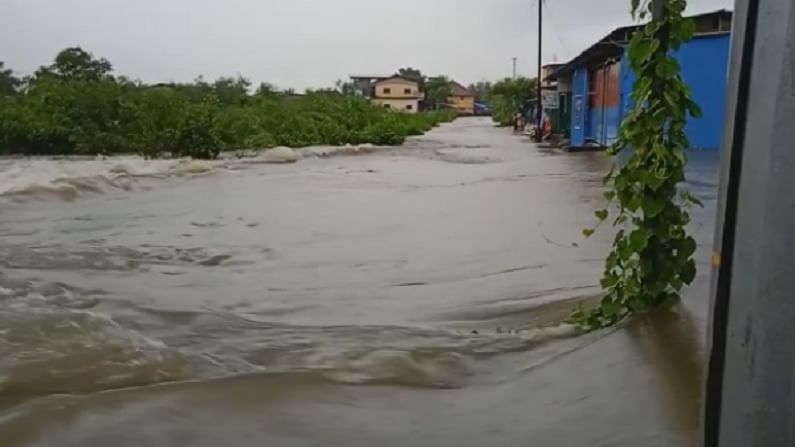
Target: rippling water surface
pixel 361 296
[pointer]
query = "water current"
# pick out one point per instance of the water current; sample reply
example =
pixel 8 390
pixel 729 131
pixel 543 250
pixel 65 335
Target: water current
pixel 360 296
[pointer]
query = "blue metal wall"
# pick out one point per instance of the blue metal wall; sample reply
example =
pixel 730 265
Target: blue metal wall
pixel 627 77
pixel 704 62
pixel 579 107
pixel 604 122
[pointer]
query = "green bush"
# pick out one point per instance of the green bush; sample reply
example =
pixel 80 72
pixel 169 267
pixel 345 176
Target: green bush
pixel 508 96
pixel 261 140
pixel 68 109
pixel 502 110
pixel 196 134
pixel 384 133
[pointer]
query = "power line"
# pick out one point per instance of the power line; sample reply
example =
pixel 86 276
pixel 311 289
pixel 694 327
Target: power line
pixel 555 29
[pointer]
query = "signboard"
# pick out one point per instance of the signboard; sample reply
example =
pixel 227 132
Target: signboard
pixel 578 112
pixel 549 99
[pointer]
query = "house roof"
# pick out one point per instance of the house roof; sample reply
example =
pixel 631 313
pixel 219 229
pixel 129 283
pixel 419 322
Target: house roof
pixel 397 78
pixel 457 89
pixel 369 76
pixel 612 45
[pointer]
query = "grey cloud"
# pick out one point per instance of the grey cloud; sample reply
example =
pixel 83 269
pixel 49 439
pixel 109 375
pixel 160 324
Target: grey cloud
pixel 306 43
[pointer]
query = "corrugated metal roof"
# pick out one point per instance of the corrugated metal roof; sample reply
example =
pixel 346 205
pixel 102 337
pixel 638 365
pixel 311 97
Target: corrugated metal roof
pixel 370 76
pixel 457 89
pixel 612 46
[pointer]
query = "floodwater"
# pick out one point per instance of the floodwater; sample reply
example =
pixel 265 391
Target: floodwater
pixel 403 296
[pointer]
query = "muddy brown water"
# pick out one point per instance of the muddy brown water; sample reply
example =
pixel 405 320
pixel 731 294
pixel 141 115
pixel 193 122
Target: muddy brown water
pixel 407 296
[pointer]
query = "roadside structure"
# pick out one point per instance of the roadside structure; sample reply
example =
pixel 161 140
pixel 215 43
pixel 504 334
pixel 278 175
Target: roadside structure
pixel 363 83
pixel 595 87
pixel 556 99
pixel 461 99
pixel 397 93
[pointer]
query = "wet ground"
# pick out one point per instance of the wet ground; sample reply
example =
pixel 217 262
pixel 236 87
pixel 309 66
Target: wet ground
pixel 405 296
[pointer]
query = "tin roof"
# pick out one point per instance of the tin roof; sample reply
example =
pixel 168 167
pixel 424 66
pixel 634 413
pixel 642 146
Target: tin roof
pixel 396 78
pixel 369 76
pixel 612 45
pixel 457 89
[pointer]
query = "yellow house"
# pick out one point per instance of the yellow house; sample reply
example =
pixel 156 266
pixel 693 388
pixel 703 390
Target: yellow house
pixel 397 93
pixel 461 99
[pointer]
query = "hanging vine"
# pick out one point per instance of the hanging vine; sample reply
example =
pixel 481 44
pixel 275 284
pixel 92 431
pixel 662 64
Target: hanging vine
pixel 652 255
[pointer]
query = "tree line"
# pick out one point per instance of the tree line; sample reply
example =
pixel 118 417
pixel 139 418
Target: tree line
pixel 78 105
pixel 505 97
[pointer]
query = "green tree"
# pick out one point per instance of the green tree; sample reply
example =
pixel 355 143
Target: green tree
pixel 230 90
pixel 76 64
pixel 519 90
pixel 76 106
pixel 509 96
pixel 346 88
pixel 482 90
pixel 8 82
pixel 437 90
pixel 415 75
pixel 266 89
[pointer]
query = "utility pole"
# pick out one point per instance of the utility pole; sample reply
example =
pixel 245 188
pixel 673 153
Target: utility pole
pixel 539 111
pixel 750 391
pixel 514 69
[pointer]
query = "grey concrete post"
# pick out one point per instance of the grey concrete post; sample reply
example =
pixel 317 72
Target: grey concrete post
pixel 750 389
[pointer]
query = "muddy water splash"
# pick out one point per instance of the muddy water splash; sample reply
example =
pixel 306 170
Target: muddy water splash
pixel 403 296
pixel 67 178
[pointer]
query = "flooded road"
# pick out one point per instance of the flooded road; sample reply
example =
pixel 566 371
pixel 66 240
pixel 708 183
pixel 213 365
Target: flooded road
pixel 406 296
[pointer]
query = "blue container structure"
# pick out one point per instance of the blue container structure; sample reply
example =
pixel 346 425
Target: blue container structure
pixel 601 83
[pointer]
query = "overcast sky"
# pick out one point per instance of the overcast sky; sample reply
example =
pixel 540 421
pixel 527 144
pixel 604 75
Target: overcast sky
pixel 307 43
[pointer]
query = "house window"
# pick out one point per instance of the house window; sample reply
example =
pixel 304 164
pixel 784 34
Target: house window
pixel 409 106
pixel 387 90
pixel 462 98
pixel 387 106
pixel 407 91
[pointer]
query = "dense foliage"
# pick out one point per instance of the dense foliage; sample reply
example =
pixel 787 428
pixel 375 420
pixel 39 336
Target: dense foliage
pixel 482 90
pixel 437 91
pixel 77 106
pixel 509 96
pixel 652 258
pixel 413 74
pixel 8 82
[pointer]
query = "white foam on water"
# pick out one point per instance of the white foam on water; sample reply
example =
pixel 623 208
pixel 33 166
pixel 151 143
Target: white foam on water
pixel 20 175
pixel 67 177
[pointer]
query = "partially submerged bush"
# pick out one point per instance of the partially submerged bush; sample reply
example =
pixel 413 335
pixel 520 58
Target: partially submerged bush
pixel 163 121
pixel 88 111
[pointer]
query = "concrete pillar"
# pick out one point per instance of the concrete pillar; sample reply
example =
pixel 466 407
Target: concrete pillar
pixel 750 389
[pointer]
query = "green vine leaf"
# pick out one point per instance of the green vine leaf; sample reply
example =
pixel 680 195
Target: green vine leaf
pixel 653 206
pixel 652 254
pixel 639 239
pixel 694 110
pixel 688 247
pixel 609 280
pixel 687 197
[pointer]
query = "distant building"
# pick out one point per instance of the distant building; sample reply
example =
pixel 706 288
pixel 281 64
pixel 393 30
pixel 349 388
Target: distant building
pixel 595 87
pixel 546 73
pixel 555 97
pixel 461 99
pixel 397 93
pixel 363 83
